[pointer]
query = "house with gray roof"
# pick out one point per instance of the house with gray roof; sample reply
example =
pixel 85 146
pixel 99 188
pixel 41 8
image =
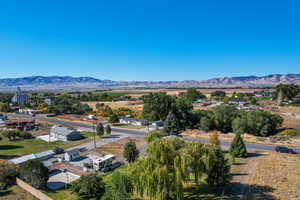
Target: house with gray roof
pixel 65 133
pixel 41 156
pixel 132 121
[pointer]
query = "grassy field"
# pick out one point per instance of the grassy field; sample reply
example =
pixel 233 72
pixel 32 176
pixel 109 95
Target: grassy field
pixel 28 146
pixel 64 194
pixel 16 193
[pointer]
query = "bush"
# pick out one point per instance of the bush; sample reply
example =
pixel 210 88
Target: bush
pixel 153 135
pixel 100 129
pixel 89 187
pixel 291 132
pixel 214 139
pixel 35 173
pixel 205 124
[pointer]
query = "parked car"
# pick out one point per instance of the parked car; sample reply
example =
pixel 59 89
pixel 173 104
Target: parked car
pixel 282 149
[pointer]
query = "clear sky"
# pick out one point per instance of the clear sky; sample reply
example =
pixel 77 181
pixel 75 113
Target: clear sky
pixel 149 39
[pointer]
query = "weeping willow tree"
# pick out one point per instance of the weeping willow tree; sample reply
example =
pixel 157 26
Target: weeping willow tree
pixel 195 158
pixel 156 175
pixel 169 164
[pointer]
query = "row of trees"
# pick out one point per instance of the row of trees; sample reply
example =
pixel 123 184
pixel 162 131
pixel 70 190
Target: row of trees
pixel 13 135
pixel 68 105
pixel 178 114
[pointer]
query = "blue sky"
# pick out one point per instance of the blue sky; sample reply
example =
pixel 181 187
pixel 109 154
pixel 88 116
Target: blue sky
pixel 149 39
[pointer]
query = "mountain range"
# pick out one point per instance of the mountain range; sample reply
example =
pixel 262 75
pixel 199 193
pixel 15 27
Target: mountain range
pixel 69 83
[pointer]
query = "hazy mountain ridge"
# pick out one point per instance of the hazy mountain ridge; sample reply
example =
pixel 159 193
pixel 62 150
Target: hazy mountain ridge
pixel 68 82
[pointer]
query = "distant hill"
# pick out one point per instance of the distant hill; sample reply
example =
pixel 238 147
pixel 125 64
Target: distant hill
pixel 68 82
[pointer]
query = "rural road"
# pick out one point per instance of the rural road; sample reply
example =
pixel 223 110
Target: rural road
pixel 224 144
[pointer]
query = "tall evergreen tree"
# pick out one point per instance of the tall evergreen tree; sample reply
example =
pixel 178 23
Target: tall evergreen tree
pixel 100 129
pixel 238 147
pixel 219 172
pixel 172 124
pixel 108 130
pixel 130 152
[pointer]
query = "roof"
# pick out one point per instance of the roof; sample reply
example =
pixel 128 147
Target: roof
pixel 73 151
pixel 101 159
pixel 32 156
pixel 60 130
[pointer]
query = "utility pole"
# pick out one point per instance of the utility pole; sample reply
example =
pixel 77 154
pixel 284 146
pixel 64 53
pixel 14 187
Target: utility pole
pixel 94 130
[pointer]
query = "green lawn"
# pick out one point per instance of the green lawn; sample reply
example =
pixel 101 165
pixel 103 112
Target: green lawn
pixel 28 146
pixel 64 194
pixel 16 193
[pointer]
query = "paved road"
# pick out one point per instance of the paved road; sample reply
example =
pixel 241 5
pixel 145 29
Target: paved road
pixel 224 144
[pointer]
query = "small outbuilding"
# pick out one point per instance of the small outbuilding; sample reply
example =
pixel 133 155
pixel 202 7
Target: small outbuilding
pixel 72 155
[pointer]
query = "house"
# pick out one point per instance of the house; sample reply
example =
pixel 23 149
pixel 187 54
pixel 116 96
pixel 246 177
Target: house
pixel 20 98
pixel 65 133
pixel 21 124
pixel 41 156
pixel 156 125
pixel 132 121
pixel 263 94
pixel 72 155
pixel 48 101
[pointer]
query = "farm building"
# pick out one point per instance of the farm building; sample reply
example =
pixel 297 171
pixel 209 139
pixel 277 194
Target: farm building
pixel 65 133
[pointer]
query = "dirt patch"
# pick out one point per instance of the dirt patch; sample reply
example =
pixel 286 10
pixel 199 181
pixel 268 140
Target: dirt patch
pixel 116 148
pixel 133 105
pixel 267 176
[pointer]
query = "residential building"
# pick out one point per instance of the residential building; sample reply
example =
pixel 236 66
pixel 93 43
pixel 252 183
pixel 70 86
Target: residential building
pixel 132 121
pixel 21 124
pixel 65 133
pixel 20 98
pixel 158 125
pixel 72 155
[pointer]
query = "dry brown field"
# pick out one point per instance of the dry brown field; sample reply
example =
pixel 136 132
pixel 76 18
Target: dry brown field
pixel 133 105
pixel 267 176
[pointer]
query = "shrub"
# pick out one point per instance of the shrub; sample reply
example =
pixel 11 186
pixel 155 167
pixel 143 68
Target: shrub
pixel 108 130
pixel 114 118
pixel 214 139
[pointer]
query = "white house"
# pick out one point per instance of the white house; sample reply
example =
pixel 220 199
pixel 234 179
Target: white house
pixel 156 125
pixel 64 133
pixel 72 155
pixel 132 121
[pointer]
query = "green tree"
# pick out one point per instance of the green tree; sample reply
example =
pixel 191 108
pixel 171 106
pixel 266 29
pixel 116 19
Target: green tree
pixel 121 187
pixel 238 147
pixel 108 130
pixel 205 124
pixel 218 95
pixel 8 173
pixel 224 116
pixel 157 106
pixel 157 175
pixel 171 125
pixel 130 151
pixel 100 129
pixel 89 187
pixel 114 118
pixel 239 124
pixel 219 172
pixel 153 135
pixel 35 173
pixel 4 107
pixel 182 110
pixel 192 94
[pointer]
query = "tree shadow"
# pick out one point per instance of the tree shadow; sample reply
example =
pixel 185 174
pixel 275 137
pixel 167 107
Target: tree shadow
pixel 238 191
pixel 8 147
pixel 252 155
pixel 6 157
pixel 5 192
